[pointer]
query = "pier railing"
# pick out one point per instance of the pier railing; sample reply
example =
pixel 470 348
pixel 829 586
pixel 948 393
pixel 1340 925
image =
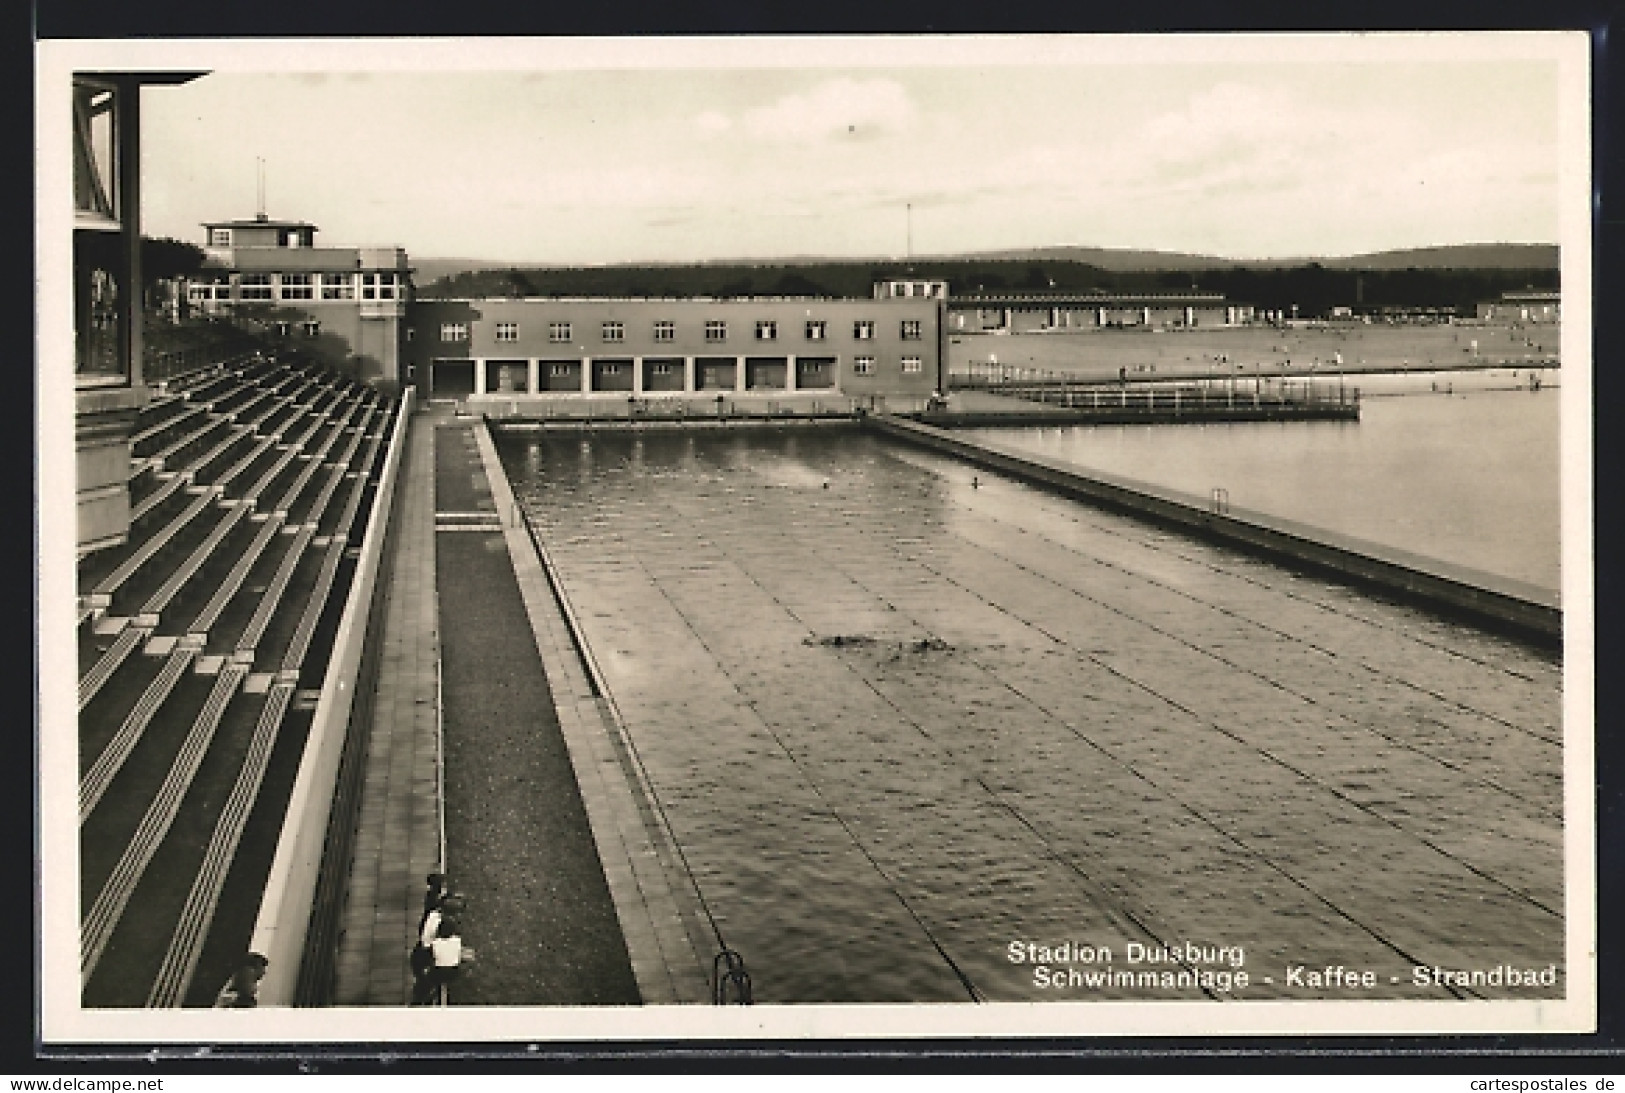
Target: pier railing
pixel 1230 392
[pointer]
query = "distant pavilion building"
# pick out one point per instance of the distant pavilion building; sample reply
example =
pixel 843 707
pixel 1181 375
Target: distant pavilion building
pixel 1528 306
pixel 1029 312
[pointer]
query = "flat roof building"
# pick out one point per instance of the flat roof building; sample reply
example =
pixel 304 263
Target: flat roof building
pixel 346 306
pixel 880 353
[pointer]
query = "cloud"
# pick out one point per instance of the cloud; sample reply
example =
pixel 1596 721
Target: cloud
pixel 839 108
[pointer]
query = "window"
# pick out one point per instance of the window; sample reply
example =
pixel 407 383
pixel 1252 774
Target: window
pixel 337 286
pixel 454 332
pixel 766 330
pixel 815 330
pixel 507 332
pixel 312 328
pixel 256 286
pixel 661 370
pixel 863 330
pixel 911 330
pixel 614 332
pixel 558 332
pixel 410 332
pixel 610 369
pixel 220 237
pixel 297 286
pixel 377 286
pixel 716 330
pixel 911 364
pixel 863 366
pixel 281 330
pixel 559 368
pixel 665 331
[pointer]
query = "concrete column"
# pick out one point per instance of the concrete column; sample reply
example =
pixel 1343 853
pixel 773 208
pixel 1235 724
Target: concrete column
pixel 739 374
pixel 586 375
pixel 637 375
pixel 534 375
pixel 790 373
pixel 688 374
pixel 479 375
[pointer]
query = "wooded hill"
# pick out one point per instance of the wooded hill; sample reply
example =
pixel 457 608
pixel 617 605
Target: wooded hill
pixel 1312 287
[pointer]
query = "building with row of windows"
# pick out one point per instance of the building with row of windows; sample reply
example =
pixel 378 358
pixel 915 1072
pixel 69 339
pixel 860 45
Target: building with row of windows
pixel 349 303
pixel 780 348
pixel 357 305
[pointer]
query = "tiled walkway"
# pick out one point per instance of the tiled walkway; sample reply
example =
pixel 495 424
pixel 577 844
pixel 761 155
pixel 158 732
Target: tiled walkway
pixel 398 837
pixel 521 730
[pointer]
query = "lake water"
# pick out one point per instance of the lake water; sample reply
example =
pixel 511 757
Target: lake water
pixel 1470 477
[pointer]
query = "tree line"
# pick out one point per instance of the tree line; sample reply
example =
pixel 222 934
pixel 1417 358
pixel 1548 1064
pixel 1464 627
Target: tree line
pixel 1312 288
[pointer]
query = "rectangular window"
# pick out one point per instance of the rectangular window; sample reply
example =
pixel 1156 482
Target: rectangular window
pixel 610 369
pixel 665 331
pixel 507 332
pixel 312 328
pixel 281 330
pixel 911 364
pixel 863 366
pixel 614 332
pixel 558 369
pixel 256 286
pixel 716 330
pixel 297 286
pixel 454 332
pixel 863 330
pixel 661 370
pixel 766 330
pixel 377 286
pixel 911 330
pixel 815 330
pixel 558 332
pixel 220 237
pixel 337 286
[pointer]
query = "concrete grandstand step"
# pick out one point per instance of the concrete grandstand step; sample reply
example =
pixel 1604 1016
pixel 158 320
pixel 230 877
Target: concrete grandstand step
pixel 174 482
pixel 155 542
pixel 272 598
pixel 92 681
pixel 176 451
pixel 100 775
pixel 97 927
pixel 151 434
pixel 186 943
pixel 195 561
pixel 233 581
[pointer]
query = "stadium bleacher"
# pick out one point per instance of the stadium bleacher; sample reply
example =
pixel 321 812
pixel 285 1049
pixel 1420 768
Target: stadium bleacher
pixel 203 640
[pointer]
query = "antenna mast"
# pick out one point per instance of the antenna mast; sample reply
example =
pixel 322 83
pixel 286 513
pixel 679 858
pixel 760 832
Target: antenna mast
pixel 909 220
pixel 259 209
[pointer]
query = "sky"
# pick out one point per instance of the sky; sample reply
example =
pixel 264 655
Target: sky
pixel 606 152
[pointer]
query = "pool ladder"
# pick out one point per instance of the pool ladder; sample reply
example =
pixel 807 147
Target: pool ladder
pixel 730 982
